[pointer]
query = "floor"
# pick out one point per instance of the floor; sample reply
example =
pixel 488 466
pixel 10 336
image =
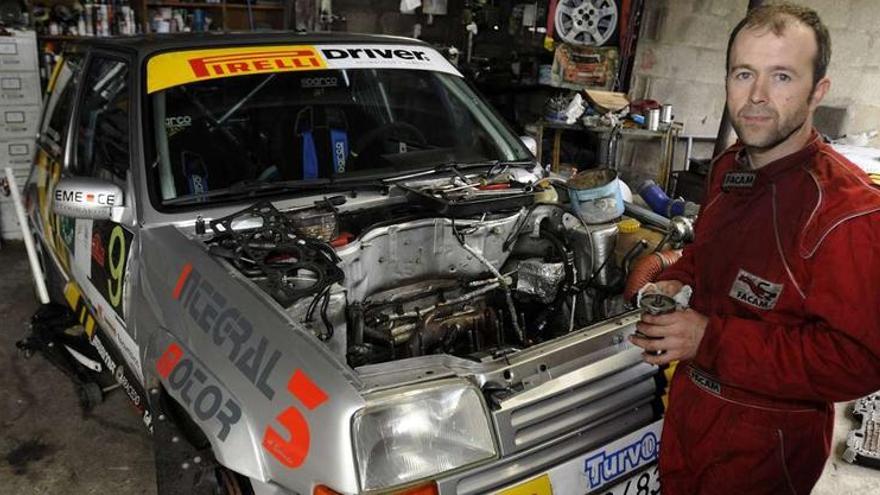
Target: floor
pixel 47 446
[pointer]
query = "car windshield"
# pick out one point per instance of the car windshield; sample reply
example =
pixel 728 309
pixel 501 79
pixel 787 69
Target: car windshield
pixel 225 135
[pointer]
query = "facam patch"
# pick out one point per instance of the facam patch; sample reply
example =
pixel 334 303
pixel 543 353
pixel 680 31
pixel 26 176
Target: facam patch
pixel 171 69
pixel 738 180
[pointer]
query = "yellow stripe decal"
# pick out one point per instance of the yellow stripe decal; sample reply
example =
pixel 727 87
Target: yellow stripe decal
pixel 71 293
pixel 54 77
pixel 78 304
pixel 90 326
pixel 171 69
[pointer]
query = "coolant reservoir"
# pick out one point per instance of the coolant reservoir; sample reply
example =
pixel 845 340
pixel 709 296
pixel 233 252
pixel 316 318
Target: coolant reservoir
pixel 631 232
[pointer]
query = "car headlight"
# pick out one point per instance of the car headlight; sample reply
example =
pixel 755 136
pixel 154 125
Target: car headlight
pixel 410 434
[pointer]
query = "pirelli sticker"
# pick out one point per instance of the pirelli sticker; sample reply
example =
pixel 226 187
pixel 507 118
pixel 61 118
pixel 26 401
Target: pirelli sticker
pixel 171 69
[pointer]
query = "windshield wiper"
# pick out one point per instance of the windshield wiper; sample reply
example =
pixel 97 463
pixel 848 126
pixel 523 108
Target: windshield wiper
pixel 457 168
pixel 251 188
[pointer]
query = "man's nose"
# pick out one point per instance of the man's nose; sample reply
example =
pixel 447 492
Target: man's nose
pixel 758 91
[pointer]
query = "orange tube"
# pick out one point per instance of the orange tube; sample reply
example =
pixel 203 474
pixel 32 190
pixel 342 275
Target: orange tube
pixel 647 269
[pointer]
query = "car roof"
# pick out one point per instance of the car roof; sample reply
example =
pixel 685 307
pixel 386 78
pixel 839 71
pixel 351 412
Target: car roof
pixel 147 44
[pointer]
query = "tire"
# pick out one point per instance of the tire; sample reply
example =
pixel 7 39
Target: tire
pixel 90 395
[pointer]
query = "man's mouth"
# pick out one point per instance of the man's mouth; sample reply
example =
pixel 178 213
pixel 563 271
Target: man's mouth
pixel 750 116
pixel 756 119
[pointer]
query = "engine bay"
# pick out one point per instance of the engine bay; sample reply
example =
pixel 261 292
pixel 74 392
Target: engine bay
pixel 455 266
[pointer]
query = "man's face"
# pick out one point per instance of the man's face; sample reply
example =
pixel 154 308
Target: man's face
pixel 770 91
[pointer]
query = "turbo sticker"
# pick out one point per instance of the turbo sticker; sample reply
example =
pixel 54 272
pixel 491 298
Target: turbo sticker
pixel 167 70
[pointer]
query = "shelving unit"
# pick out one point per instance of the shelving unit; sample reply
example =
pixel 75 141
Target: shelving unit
pixel 226 16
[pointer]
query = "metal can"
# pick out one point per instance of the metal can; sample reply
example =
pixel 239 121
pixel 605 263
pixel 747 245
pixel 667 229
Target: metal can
pixel 657 304
pixel 653 120
pixel 666 114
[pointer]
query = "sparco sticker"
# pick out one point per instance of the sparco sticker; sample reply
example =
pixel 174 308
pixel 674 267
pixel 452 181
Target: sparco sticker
pixel 755 291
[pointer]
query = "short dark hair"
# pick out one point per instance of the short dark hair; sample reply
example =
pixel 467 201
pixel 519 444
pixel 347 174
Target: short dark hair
pixel 777 17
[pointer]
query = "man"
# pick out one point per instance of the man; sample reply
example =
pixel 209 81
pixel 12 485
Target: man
pixel 785 269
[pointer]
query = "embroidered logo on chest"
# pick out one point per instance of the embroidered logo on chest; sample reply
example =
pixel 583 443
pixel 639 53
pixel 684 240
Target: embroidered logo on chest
pixel 738 180
pixel 755 291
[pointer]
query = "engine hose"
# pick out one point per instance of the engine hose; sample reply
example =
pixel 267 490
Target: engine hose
pixel 633 253
pixel 646 270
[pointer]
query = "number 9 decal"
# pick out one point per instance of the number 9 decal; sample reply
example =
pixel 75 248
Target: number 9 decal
pixel 116 261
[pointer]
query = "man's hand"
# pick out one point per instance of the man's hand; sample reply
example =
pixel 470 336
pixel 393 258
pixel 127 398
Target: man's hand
pixel 677 335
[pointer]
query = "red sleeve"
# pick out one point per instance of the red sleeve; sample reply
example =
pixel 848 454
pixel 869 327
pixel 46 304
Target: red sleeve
pixel 835 356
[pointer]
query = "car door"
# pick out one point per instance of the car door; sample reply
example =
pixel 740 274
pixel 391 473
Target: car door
pixel 103 249
pixel 55 231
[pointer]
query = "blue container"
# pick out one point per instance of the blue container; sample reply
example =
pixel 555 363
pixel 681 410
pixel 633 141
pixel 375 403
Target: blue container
pixel 595 195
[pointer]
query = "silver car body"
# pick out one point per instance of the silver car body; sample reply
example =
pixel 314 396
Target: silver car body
pixel 275 400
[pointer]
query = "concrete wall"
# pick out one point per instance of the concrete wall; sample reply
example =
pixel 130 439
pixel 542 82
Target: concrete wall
pixel 680 60
pixel 681 52
pixel 384 17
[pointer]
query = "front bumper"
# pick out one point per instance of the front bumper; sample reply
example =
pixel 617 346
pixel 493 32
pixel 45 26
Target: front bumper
pixel 565 459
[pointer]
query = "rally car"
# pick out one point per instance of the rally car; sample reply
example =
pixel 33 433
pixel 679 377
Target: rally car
pixel 322 264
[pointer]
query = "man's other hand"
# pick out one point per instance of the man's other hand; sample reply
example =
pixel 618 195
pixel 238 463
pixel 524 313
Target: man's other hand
pixel 676 335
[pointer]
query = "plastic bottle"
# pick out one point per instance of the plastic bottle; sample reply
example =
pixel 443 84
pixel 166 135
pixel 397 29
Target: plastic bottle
pixel 630 232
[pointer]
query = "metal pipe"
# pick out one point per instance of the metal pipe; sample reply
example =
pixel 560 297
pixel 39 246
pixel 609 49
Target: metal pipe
pixel 647 215
pixel 37 273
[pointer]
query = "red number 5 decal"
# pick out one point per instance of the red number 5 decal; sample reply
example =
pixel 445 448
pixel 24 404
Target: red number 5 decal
pixel 292 451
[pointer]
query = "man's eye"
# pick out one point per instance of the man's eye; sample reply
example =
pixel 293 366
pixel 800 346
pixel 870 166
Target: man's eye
pixel 783 77
pixel 742 76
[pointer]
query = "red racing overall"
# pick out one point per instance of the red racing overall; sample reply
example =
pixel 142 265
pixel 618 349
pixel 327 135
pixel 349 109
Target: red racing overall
pixel 786 266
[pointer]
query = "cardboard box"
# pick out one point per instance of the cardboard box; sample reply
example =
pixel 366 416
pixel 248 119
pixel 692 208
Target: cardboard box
pixel 18 51
pixel 19 88
pixel 19 122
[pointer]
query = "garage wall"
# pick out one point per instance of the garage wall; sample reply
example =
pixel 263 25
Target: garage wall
pixel 384 17
pixel 681 52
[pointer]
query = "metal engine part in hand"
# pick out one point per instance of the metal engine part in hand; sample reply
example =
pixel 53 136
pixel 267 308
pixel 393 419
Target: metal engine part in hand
pixel 538 278
pixel 657 304
pixel 586 22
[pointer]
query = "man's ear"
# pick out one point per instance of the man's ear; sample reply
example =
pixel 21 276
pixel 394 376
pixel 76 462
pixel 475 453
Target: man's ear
pixel 819 91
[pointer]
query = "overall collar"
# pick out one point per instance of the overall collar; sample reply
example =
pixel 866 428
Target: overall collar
pixel 743 179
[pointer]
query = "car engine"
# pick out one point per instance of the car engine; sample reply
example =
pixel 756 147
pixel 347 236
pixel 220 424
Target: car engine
pixel 473 270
